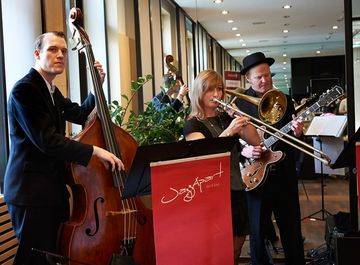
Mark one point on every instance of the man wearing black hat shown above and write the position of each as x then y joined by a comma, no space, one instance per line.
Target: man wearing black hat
279,192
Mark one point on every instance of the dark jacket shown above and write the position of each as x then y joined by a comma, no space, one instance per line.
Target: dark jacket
35,173
162,101
285,168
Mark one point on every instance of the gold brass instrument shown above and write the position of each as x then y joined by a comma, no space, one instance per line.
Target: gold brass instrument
279,134
271,106
255,173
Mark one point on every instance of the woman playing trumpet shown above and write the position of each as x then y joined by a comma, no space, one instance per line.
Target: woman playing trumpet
206,121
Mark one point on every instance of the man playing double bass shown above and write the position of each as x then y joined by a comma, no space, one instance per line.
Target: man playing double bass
279,193
34,189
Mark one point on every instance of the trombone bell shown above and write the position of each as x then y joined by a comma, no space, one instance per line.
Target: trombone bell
271,106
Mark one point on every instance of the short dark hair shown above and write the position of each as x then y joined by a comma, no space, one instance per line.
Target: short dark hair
38,44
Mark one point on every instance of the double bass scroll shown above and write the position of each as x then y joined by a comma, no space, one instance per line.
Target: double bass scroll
169,59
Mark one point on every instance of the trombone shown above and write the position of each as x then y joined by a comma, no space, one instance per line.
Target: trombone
324,158
271,106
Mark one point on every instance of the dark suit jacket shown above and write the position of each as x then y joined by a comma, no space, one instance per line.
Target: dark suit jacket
35,173
286,167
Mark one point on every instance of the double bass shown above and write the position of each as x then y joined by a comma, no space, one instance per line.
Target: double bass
104,228
169,59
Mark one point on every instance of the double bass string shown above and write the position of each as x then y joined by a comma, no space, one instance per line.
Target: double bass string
129,206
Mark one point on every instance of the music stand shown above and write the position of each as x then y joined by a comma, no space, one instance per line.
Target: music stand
322,129
138,180
347,157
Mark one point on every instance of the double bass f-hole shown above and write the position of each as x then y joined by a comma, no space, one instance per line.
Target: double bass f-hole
96,216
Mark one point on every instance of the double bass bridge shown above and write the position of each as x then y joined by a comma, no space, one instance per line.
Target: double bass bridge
123,211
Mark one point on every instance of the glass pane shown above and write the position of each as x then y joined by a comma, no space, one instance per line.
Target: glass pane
190,50
356,57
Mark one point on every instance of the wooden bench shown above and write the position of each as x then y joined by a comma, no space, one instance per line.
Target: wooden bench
8,241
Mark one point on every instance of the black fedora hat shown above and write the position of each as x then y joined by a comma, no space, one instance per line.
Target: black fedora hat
255,59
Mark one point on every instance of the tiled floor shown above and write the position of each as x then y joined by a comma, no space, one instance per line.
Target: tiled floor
336,198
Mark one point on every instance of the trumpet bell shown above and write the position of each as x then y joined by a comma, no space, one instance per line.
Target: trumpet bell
271,106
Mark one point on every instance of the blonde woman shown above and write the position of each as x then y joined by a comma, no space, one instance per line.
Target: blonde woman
207,121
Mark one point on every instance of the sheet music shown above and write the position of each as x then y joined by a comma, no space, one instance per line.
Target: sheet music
327,126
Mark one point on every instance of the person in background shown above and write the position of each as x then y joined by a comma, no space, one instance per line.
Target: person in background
172,94
34,186
279,192
343,107
206,121
329,110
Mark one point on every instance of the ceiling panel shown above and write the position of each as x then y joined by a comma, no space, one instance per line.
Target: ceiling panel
261,22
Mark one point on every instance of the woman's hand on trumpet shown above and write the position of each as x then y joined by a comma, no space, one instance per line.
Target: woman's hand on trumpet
236,126
231,111
297,126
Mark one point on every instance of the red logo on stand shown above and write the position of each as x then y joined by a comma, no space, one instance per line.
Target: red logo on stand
191,211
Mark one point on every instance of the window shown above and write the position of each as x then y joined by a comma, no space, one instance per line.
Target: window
168,23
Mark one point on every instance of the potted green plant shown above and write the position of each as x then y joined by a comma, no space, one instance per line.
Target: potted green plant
151,126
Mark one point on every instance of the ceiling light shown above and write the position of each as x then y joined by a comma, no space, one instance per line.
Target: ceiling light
259,23
234,28
241,40
230,21
287,6
285,30
285,75
284,62
318,52
244,44
224,12
217,1
284,55
247,51
284,68
335,27
237,34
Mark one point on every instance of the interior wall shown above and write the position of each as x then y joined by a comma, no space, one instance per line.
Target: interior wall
146,51
18,41
157,51
312,75
183,45
54,21
121,46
